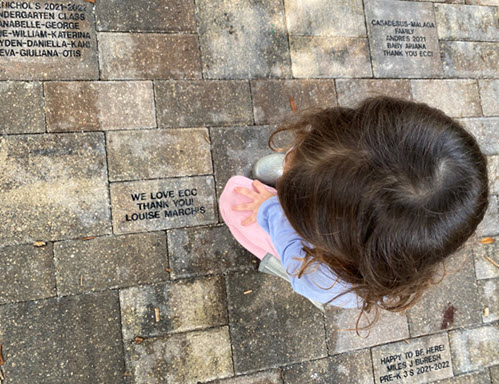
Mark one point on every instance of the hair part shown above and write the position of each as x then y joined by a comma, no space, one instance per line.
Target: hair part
384,193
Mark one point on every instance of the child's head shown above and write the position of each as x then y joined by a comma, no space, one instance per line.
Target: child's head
384,193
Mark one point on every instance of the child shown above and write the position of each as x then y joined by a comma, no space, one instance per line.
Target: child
370,202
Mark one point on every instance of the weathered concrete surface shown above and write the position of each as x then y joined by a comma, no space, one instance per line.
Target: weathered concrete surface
354,368
150,154
465,22
23,113
489,94
317,56
198,103
53,187
325,18
274,100
153,15
205,251
342,337
70,340
243,39
182,306
97,106
474,348
353,91
469,59
453,303
265,321
110,262
464,103
27,273
181,358
156,56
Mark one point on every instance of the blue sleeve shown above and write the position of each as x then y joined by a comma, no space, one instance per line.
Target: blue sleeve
288,244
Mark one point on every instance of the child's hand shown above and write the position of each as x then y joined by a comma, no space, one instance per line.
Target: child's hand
258,197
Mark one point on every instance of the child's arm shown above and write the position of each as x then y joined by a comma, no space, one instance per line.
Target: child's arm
288,244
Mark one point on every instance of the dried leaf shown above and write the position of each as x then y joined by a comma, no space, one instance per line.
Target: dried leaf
90,1
293,104
39,243
2,361
168,269
87,238
487,240
486,311
245,293
138,339
128,374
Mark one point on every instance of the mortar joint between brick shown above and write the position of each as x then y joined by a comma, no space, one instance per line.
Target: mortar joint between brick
97,55
367,38
108,184
155,103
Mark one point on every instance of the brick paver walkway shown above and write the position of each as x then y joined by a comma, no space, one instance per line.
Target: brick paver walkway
120,123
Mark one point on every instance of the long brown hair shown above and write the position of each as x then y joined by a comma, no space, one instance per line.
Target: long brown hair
384,193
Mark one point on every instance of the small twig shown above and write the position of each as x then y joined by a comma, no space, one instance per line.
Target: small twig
2,361
168,269
492,261
156,314
39,243
81,281
249,291
2,378
87,238
407,341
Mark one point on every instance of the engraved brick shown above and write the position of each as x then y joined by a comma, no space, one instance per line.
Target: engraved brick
195,103
264,323
466,22
275,99
342,319
96,106
45,43
423,360
23,113
53,187
351,92
465,101
483,267
182,306
469,59
489,290
314,56
236,149
325,18
489,93
272,376
489,226
152,15
27,273
110,262
452,303
74,339
473,349
486,133
410,47
203,251
243,39
187,358
352,368
140,206
148,154
149,56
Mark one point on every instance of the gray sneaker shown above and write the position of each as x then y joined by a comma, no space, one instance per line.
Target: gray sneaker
269,168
